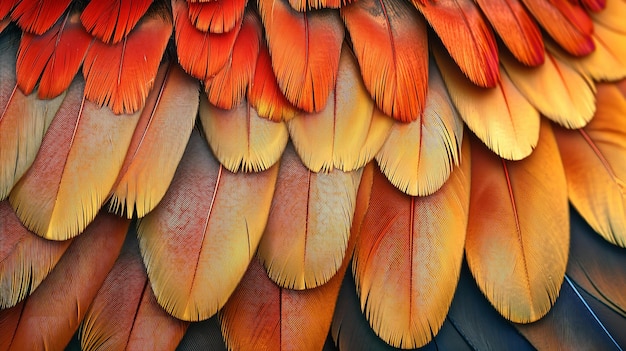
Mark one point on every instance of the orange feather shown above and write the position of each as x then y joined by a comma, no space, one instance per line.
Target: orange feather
112,20
305,76
408,258
201,54
52,313
53,57
228,87
217,16
518,231
37,16
390,42
467,37
306,5
594,5
612,17
199,240
121,75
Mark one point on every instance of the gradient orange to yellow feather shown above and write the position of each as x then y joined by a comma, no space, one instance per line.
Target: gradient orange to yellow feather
308,175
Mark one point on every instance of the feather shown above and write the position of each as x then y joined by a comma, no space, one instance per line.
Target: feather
240,139
125,314
197,243
121,75
390,42
218,16
25,259
228,87
611,17
558,91
5,8
593,158
306,5
518,231
408,258
305,76
264,93
37,16
567,23
23,119
517,29
201,54
418,157
596,266
467,37
308,228
169,115
61,193
333,137
203,336
501,117
594,5
53,57
49,317
379,130
112,20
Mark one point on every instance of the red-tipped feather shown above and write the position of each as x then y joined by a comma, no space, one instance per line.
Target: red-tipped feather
469,40
55,57
112,20
228,87
390,42
201,54
121,76
594,5
218,16
304,49
37,16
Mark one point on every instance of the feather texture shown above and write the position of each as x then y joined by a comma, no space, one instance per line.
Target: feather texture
418,157
217,16
593,158
199,240
390,42
518,232
169,114
308,228
240,139
61,193
305,76
37,16
112,20
408,258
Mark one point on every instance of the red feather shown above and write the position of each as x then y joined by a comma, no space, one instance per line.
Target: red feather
6,6
218,16
37,16
594,5
112,20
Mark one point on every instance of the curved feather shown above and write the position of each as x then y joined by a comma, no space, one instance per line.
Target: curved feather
305,76
308,229
558,91
227,87
53,57
23,119
25,259
390,42
52,313
61,192
333,137
418,157
201,54
112,20
517,29
501,117
518,231
593,158
408,258
125,314
217,16
197,243
240,139
467,37
121,75
169,115
37,16
611,17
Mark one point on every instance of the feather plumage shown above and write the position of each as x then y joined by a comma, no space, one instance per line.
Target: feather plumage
202,336
390,42
518,232
169,114
305,76
37,16
112,20
61,193
199,240
217,16
593,158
